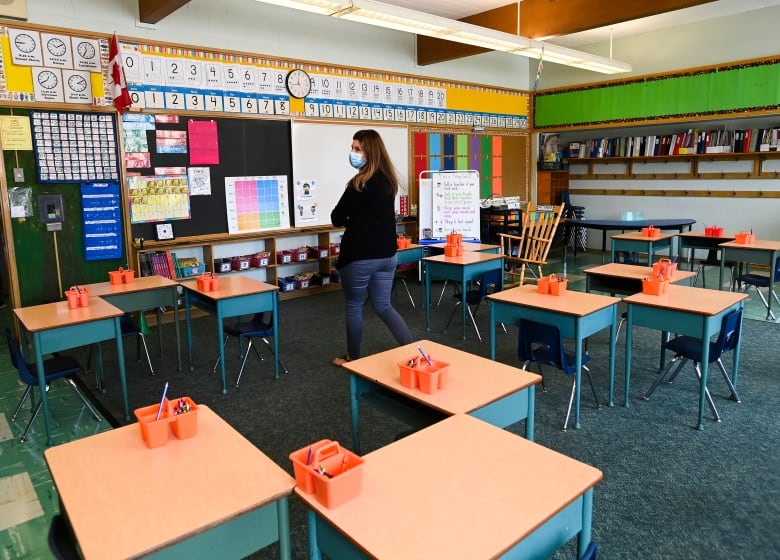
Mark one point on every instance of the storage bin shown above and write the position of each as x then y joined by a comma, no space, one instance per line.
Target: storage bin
287,284
341,477
241,263
543,285
302,254
303,461
651,232
318,252
420,375
260,259
665,268
77,297
154,431
653,286
558,286
185,417
745,238
335,249
284,256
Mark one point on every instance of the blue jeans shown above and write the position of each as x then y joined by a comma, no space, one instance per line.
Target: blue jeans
374,276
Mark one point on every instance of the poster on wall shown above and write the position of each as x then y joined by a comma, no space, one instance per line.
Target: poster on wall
257,203
155,198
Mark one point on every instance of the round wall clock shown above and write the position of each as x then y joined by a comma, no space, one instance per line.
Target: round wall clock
298,83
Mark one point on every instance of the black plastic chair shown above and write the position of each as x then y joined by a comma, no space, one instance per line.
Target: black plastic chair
760,281
56,367
543,344
62,541
489,282
257,327
129,328
400,277
689,348
712,260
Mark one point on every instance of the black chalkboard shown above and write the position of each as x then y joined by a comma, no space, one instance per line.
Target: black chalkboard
247,147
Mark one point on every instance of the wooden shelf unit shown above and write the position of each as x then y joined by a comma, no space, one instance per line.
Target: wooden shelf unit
669,167
210,248
550,184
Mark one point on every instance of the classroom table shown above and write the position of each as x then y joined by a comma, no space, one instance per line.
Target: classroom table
411,254
624,279
760,252
494,392
606,225
692,240
577,315
635,242
685,310
471,246
460,488
466,268
145,292
214,495
55,326
236,296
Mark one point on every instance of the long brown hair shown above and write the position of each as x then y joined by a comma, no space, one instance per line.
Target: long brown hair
377,160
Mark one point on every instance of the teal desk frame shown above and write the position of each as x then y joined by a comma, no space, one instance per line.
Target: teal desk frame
684,322
762,252
232,306
576,327
463,269
697,240
73,335
648,245
152,298
575,520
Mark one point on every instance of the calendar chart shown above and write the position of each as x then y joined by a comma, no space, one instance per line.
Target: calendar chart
257,203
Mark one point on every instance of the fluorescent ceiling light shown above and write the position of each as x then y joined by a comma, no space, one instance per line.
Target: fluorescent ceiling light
380,14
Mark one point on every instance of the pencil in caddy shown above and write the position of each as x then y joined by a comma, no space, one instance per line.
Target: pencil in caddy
424,373
327,470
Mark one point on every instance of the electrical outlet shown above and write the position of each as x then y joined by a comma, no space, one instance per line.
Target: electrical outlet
18,175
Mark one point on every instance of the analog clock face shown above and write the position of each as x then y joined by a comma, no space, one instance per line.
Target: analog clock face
56,46
298,83
77,83
25,43
86,50
48,79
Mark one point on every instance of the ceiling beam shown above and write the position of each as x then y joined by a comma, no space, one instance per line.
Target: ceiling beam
431,50
549,18
546,18
152,11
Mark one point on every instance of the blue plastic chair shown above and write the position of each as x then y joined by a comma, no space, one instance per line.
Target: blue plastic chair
543,345
689,348
489,282
62,541
760,281
56,367
260,326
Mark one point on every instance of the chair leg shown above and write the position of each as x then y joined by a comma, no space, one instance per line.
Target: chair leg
408,293
243,362
35,412
592,388
734,394
707,394
83,398
679,360
441,295
568,410
21,402
474,322
539,368
142,340
224,345
451,316
271,349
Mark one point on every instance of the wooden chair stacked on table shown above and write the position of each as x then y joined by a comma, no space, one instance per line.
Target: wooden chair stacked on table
530,246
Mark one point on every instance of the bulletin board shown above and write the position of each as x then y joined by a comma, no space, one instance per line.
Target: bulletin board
321,166
246,148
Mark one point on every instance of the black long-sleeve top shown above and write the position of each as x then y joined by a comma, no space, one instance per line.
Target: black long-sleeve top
369,219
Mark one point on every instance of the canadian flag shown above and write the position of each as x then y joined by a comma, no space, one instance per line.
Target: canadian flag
116,73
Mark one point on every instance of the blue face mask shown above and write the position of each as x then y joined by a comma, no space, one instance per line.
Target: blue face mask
356,160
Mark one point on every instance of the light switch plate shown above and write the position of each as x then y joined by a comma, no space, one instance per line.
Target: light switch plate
18,175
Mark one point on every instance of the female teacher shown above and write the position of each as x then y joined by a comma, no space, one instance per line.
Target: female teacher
367,258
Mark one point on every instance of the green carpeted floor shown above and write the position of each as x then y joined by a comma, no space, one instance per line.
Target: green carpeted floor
669,491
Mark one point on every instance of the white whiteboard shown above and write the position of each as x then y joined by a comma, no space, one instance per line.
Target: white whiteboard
321,169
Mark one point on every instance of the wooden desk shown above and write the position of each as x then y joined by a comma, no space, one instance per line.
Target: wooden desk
471,246
459,489
236,296
55,326
685,310
466,268
577,315
211,496
489,390
145,292
605,225
761,252
692,240
625,279
635,242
